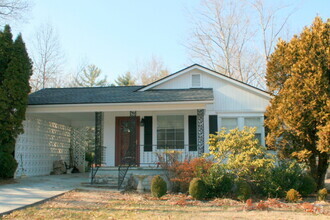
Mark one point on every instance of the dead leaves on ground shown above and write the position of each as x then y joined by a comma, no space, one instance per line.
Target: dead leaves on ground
272,204
101,204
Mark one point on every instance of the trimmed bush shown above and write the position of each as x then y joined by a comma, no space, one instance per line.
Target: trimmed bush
308,185
158,186
197,189
322,194
8,165
243,191
293,195
89,157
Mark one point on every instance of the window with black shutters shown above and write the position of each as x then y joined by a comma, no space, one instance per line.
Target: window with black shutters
213,124
147,133
192,133
170,132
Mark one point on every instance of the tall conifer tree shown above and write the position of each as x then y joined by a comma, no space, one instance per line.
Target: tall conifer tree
6,44
298,118
15,72
16,87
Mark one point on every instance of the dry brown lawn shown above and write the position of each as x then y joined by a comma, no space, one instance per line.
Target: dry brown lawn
114,205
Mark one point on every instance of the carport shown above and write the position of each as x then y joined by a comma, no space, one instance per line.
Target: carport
49,137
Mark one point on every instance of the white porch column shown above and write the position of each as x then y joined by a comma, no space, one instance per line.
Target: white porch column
200,131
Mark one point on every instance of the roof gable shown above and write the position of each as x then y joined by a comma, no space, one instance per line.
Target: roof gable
208,71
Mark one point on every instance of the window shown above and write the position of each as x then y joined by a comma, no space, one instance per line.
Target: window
170,132
195,80
229,123
254,122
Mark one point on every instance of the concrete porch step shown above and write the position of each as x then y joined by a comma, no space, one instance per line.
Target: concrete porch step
107,176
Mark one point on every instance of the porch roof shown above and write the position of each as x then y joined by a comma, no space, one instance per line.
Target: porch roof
116,94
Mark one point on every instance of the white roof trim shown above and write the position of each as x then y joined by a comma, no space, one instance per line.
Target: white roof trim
147,106
213,73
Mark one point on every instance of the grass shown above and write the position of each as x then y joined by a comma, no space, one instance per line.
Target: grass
115,205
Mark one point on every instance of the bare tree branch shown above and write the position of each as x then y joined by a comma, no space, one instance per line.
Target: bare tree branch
227,37
48,59
13,10
150,70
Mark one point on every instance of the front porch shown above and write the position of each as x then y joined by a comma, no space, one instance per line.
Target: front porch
150,135
120,140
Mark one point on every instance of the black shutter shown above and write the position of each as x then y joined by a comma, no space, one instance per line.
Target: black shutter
213,124
192,133
148,133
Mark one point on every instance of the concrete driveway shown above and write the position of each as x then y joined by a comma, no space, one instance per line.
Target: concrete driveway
30,190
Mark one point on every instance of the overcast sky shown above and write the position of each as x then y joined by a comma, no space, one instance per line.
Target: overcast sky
115,34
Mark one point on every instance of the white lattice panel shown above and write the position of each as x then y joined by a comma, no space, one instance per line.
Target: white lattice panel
79,141
42,143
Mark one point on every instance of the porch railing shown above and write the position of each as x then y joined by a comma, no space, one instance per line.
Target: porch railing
151,158
99,161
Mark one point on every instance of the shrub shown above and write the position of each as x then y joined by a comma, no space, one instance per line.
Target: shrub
241,153
285,176
243,191
307,185
89,157
158,187
184,172
218,182
293,195
8,165
322,194
197,189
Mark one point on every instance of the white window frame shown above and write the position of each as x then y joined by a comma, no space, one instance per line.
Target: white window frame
184,130
262,128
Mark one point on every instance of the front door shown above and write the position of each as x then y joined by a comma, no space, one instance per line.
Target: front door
123,135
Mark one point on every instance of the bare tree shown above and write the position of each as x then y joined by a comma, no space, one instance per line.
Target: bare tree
271,23
151,70
226,37
220,39
13,9
48,59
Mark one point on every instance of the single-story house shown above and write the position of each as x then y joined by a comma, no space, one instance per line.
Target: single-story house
133,123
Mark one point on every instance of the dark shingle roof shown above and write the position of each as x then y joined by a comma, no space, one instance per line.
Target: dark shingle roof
121,94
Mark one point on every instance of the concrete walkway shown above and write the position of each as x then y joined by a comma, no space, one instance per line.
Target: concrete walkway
30,190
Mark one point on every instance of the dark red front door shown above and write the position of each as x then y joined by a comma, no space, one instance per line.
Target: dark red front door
123,135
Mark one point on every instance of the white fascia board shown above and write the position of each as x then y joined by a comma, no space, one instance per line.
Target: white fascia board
239,84
111,107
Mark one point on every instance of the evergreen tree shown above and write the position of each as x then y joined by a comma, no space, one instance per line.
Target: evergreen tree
15,72
16,87
90,77
125,80
298,117
6,47
6,43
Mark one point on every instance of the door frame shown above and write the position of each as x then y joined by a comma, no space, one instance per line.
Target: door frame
117,136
